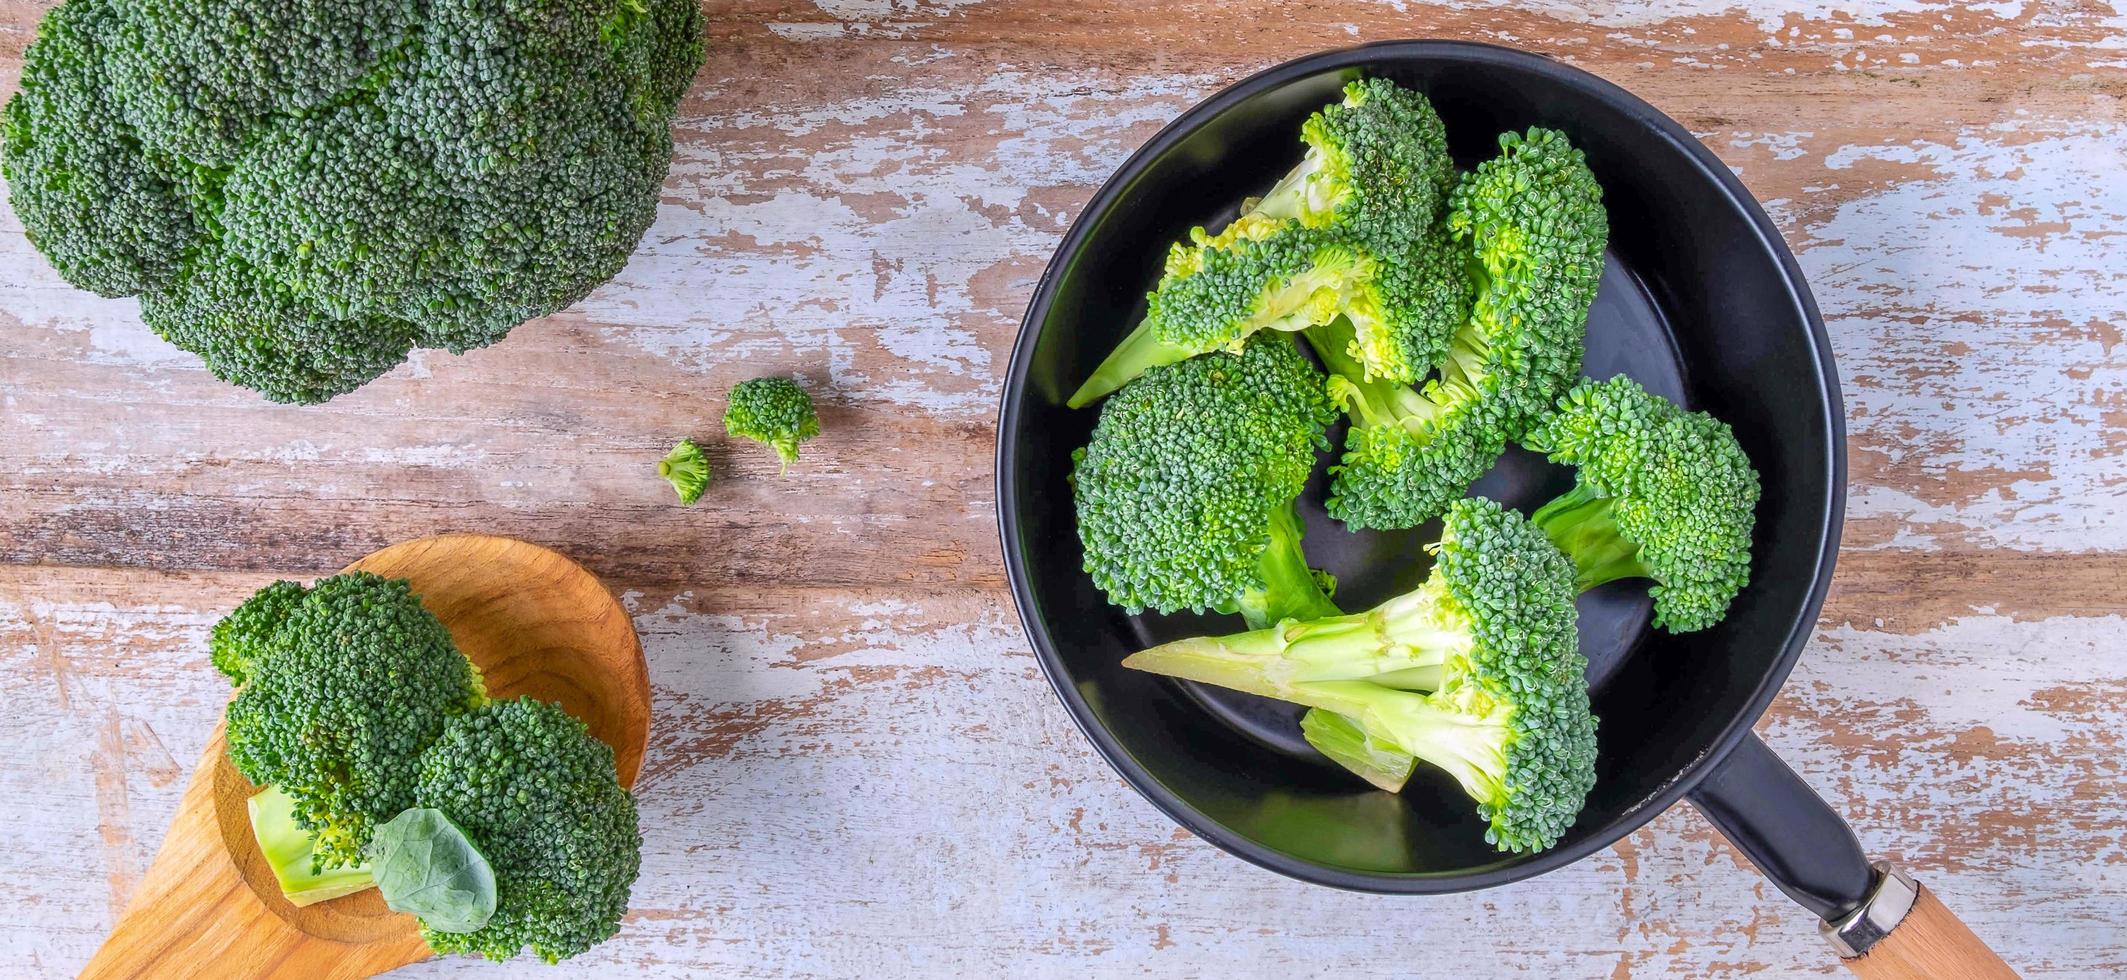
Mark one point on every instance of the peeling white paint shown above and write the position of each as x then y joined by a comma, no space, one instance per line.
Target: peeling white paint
1976,316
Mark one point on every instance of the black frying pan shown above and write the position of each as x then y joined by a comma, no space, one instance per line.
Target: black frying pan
1700,301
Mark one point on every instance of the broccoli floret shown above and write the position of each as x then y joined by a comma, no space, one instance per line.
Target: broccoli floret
687,469
1354,229
1531,225
338,701
251,331
110,215
1410,452
1185,493
290,851
237,640
774,412
1662,494
304,190
1476,672
537,793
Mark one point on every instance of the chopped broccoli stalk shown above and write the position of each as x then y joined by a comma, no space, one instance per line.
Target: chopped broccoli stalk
1338,234
1661,494
1140,351
1584,525
338,701
1348,744
1285,587
1476,673
287,848
774,412
1185,493
1531,227
687,469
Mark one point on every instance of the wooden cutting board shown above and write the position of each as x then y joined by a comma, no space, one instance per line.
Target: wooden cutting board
533,621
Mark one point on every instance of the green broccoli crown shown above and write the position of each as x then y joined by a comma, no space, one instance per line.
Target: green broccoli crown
1477,672
1354,228
303,191
1533,222
1409,452
1516,591
1185,492
1377,167
774,412
687,469
1662,493
537,794
1531,228
1219,291
110,214
339,699
1405,319
238,639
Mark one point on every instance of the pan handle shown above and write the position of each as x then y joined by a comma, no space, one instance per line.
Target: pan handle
1883,924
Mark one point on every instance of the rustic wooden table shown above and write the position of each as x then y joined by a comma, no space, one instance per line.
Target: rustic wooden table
857,767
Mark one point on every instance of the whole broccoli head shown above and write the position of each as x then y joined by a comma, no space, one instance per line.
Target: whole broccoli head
1354,229
1476,672
341,686
1185,493
1662,493
1531,226
537,794
301,191
774,412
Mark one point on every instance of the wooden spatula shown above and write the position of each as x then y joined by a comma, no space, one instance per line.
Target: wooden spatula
533,621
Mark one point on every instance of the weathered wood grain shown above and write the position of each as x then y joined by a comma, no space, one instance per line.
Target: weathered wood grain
856,766
839,779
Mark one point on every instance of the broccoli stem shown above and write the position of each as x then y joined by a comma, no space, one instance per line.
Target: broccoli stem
1470,746
288,850
1139,352
1405,640
1350,745
1293,198
1374,401
1290,589
1584,526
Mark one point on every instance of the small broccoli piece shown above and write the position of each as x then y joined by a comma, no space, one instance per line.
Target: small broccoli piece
687,469
537,794
303,190
774,412
1410,452
1337,234
238,639
1185,493
290,851
337,703
1662,494
1532,227
1476,672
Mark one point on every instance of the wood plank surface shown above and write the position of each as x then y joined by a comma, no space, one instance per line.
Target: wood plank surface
856,768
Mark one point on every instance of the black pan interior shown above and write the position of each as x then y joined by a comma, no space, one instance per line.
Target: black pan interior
1697,302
